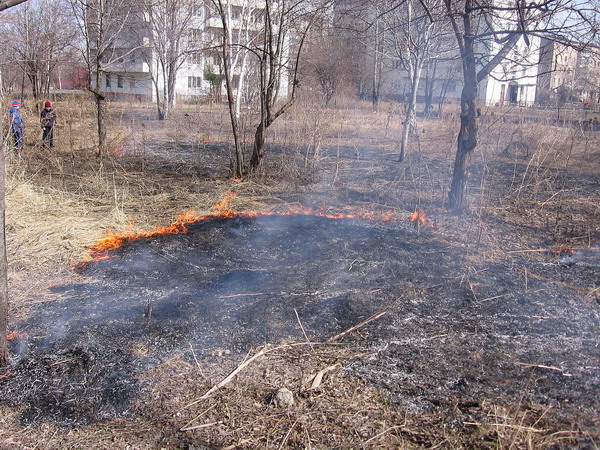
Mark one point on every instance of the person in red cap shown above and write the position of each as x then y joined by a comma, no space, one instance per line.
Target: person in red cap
16,126
48,120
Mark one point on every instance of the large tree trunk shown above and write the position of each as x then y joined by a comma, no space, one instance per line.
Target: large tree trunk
3,263
467,136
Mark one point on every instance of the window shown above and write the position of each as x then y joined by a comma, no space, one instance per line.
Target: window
196,34
194,82
396,64
196,58
107,80
120,81
132,83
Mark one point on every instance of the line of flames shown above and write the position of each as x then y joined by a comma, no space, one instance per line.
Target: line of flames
114,240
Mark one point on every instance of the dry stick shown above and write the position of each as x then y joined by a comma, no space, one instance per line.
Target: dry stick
239,368
60,362
287,436
204,425
377,436
540,366
302,328
196,359
185,427
506,425
560,283
241,295
356,327
493,298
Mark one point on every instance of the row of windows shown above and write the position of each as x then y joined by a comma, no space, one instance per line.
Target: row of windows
120,81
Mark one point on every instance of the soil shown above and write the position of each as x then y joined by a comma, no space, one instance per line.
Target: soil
478,331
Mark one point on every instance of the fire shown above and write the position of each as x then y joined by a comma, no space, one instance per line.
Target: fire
16,335
223,209
564,249
419,218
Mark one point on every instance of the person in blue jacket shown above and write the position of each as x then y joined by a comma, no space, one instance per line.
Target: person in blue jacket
16,125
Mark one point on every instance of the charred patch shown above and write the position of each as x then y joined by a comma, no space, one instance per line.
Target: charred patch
453,335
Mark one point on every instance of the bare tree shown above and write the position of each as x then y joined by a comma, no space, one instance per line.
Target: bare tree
414,34
103,24
285,25
39,38
3,261
170,44
237,36
486,32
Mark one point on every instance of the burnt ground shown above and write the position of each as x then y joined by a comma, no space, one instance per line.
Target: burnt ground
465,325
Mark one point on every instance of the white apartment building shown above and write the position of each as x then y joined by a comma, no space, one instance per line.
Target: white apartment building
129,74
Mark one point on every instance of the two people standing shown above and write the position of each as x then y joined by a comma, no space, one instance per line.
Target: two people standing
47,121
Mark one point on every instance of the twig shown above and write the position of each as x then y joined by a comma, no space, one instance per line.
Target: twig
5,374
301,327
530,251
184,428
357,326
242,295
494,298
204,425
287,436
541,366
377,436
560,283
60,362
239,368
196,359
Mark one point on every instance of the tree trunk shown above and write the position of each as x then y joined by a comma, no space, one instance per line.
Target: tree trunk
410,120
258,151
3,262
101,116
467,136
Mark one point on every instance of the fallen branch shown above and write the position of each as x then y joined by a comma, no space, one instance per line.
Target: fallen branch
5,374
357,326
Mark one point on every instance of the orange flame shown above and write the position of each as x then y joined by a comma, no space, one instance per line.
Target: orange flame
564,249
419,217
223,209
16,335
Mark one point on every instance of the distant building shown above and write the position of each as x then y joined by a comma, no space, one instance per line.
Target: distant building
200,76
514,80
568,74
